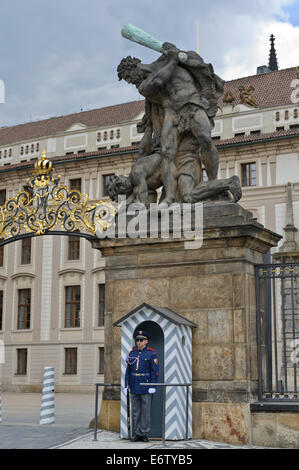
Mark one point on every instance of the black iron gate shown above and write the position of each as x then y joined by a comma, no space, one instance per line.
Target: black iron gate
277,296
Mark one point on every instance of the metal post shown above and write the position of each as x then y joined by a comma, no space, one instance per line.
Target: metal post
293,326
275,334
96,405
259,335
164,413
187,412
96,414
164,403
268,323
284,329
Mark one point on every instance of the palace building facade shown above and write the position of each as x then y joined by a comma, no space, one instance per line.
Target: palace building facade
52,288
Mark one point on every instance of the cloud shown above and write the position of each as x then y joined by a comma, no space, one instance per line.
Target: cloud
62,56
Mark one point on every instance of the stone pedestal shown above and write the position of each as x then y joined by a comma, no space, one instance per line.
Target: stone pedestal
214,287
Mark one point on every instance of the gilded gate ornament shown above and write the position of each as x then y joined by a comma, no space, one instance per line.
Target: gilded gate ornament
46,205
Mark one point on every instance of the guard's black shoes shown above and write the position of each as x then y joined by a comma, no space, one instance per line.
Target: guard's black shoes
136,438
145,439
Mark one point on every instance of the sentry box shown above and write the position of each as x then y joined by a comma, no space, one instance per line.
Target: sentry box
171,337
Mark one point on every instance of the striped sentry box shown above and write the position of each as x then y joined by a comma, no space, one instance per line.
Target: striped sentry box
177,367
47,413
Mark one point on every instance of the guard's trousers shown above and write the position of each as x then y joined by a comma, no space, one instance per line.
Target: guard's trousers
141,413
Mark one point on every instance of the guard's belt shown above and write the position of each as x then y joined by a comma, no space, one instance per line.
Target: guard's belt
141,375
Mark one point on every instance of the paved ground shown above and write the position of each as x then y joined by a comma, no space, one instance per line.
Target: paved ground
20,427
110,440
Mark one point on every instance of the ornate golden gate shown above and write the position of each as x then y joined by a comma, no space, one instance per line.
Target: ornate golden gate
49,208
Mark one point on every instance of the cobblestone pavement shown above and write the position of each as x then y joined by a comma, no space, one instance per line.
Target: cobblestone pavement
112,440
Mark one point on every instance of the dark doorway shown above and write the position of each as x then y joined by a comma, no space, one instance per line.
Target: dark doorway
156,342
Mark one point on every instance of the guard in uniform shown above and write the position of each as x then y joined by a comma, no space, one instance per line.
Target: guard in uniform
142,366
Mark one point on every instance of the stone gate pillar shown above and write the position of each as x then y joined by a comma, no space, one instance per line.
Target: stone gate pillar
214,287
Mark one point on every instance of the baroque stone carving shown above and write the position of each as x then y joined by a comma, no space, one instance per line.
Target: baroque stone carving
181,100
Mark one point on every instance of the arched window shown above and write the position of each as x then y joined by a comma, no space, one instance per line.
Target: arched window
277,116
27,149
105,135
32,148
296,113
10,152
37,147
5,153
286,115
22,150
118,134
111,135
99,137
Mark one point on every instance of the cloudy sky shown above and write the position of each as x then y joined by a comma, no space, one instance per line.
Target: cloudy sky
60,56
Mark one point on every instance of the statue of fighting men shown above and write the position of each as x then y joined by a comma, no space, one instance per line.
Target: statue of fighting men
181,100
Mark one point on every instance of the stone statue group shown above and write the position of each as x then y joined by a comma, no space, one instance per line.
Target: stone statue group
181,100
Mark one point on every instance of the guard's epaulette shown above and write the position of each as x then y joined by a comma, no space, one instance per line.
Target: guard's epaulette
150,349
134,349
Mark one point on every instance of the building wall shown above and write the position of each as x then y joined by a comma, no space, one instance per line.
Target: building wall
50,270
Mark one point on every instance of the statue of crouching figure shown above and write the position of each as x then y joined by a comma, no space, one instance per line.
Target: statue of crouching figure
146,176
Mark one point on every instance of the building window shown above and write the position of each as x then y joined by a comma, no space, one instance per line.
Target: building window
280,128
255,132
105,135
81,151
118,134
106,179
295,113
102,148
101,360
72,307
24,303
115,146
101,305
70,361
248,172
74,248
240,134
286,115
5,153
99,137
2,196
26,251
111,135
22,150
32,148
10,152
27,149
37,147
1,309
277,116
21,361
75,184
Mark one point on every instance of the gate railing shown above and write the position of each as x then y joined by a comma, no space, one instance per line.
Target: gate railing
277,302
164,385
187,385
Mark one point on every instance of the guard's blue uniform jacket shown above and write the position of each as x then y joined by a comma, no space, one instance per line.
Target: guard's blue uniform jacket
142,367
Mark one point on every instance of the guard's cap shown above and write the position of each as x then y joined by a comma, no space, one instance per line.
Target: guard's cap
141,334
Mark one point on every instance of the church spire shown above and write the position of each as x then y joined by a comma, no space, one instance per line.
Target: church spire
272,58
